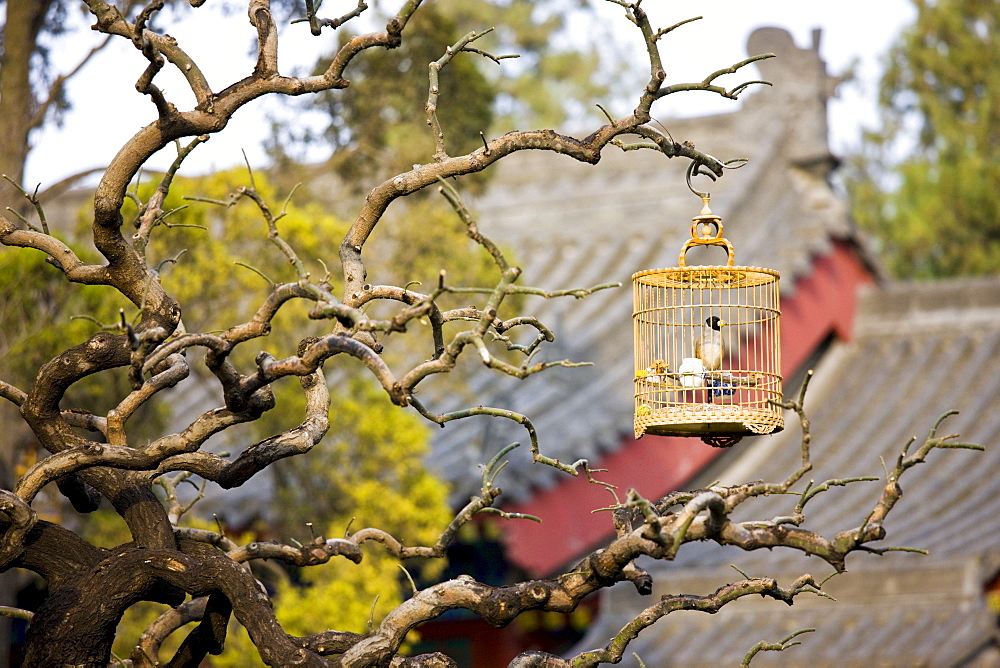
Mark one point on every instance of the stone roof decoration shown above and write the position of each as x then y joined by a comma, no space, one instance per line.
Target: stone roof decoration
575,225
919,350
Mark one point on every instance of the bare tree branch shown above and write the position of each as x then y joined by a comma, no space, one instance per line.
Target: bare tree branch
93,455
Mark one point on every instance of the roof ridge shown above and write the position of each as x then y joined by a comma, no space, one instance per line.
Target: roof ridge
923,307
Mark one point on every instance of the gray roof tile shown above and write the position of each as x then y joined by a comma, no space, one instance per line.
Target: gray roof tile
919,350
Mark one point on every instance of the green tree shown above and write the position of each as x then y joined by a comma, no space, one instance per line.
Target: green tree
32,91
370,470
377,126
368,467
926,183
20,47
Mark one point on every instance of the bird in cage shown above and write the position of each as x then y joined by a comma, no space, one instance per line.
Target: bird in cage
710,348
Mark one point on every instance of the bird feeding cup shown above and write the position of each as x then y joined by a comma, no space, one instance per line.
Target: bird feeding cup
692,372
682,311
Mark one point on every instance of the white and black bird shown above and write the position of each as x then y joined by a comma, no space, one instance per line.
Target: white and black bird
710,348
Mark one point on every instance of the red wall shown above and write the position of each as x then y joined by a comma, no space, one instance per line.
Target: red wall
823,303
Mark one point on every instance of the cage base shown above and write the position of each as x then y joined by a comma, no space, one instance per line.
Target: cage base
711,429
685,422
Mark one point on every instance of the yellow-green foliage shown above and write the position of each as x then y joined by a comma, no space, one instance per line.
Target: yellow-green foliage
215,292
369,467
368,470
37,309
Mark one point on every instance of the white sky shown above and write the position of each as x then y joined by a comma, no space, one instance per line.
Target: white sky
107,110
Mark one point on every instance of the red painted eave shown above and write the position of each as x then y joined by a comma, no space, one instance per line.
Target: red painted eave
823,304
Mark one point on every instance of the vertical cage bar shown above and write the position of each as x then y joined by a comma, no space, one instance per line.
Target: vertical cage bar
670,309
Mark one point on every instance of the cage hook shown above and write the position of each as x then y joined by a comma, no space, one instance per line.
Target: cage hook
694,169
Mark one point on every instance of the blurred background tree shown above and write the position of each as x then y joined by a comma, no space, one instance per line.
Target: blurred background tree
26,75
926,181
377,127
367,470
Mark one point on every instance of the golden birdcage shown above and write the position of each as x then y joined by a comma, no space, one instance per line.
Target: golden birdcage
707,346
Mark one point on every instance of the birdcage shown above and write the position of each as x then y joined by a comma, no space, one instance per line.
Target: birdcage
707,346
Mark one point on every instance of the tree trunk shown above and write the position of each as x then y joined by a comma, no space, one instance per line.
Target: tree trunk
18,105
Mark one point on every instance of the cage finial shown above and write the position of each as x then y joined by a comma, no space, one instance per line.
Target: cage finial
706,230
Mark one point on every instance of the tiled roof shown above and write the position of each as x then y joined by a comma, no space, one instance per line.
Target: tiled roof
572,225
925,616
919,350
